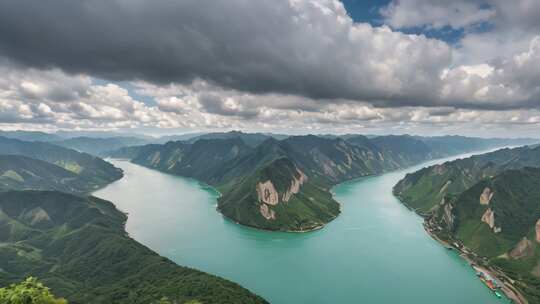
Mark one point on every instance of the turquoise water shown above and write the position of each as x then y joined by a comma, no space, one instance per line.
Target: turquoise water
376,251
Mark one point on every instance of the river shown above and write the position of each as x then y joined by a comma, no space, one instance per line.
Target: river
376,251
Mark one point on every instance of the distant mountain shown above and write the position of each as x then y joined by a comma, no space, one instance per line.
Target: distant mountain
250,139
100,134
490,205
98,146
92,172
453,144
180,137
279,184
78,247
30,135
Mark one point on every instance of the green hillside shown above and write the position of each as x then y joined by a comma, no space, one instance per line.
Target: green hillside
488,203
78,247
499,219
23,173
93,170
234,163
424,189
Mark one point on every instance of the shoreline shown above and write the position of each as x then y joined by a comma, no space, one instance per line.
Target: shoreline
510,291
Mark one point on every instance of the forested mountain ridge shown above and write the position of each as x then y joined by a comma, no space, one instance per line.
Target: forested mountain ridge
94,171
234,168
490,205
424,189
19,172
78,247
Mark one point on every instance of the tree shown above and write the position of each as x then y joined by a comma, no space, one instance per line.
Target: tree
30,291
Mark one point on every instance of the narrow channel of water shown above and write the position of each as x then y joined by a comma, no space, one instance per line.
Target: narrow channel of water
376,251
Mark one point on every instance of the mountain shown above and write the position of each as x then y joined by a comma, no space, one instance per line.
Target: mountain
279,196
297,173
278,184
248,173
489,205
23,173
423,190
30,135
98,146
179,137
91,171
78,247
250,139
498,219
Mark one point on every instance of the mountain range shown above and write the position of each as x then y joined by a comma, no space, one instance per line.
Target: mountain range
285,184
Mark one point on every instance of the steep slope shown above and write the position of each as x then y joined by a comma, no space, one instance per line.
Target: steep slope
404,150
23,173
207,160
335,160
498,218
309,165
234,167
424,189
279,196
95,171
250,139
79,248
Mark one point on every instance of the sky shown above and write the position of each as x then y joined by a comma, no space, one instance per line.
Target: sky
428,67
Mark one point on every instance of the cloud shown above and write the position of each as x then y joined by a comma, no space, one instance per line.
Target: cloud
437,14
267,65
298,47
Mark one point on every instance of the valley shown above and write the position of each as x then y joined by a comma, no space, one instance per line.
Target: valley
177,217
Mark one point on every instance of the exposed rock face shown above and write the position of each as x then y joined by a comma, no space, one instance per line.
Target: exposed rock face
296,183
266,212
156,157
486,196
443,188
489,218
523,248
36,216
448,217
537,227
267,193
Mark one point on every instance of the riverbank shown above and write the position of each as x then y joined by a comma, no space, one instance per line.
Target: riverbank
510,291
353,257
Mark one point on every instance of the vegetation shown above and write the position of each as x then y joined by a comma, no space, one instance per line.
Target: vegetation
30,291
236,163
424,190
24,173
91,172
491,205
78,247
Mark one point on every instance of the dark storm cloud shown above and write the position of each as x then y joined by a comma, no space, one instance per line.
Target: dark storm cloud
291,47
